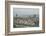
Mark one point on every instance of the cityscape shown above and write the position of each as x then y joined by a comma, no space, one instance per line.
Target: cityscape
26,21
25,17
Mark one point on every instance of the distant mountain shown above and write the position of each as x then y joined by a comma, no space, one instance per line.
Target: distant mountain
28,16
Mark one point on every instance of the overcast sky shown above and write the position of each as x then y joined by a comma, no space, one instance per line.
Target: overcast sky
25,11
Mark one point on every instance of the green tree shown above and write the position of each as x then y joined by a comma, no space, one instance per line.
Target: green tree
34,15
16,15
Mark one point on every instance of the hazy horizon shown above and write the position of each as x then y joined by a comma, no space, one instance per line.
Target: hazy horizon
25,11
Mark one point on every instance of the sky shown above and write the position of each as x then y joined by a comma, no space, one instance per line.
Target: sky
25,11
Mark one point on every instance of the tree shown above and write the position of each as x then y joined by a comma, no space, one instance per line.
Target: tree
16,15
34,15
